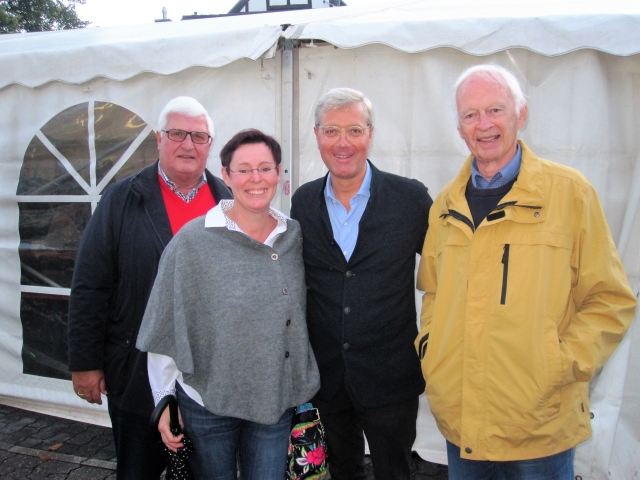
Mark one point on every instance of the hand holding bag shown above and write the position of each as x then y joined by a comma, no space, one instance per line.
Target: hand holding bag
178,468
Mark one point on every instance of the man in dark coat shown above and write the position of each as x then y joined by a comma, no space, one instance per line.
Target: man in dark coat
362,229
115,269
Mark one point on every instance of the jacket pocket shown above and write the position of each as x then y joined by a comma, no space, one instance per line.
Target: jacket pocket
422,347
505,274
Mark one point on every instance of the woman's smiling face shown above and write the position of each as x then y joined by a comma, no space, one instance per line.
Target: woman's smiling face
252,191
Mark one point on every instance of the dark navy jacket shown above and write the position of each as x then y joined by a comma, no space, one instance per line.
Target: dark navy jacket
115,269
361,314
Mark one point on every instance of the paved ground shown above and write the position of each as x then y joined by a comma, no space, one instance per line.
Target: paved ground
40,447
37,447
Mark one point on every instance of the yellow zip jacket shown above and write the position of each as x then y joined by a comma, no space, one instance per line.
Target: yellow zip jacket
519,314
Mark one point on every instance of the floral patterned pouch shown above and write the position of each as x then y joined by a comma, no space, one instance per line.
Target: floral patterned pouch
307,459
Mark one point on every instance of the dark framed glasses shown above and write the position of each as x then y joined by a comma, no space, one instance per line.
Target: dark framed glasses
179,136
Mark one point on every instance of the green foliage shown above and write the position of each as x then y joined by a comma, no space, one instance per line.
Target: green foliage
39,15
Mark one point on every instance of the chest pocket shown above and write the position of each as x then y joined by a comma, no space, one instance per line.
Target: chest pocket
536,271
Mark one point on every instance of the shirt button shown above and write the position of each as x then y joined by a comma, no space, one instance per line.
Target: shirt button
346,346
347,310
537,214
344,252
349,274
274,256
288,322
345,224
286,354
285,291
468,450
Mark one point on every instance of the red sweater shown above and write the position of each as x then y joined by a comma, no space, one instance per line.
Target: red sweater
181,212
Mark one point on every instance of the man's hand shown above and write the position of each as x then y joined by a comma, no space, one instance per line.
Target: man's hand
89,385
172,443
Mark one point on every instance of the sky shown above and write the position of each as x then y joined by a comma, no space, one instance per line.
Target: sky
109,13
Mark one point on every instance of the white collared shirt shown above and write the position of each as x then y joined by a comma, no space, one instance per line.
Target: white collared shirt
162,369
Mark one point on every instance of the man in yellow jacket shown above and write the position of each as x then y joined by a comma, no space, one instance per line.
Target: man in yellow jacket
526,297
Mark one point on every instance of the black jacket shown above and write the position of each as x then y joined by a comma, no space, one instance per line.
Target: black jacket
361,314
115,269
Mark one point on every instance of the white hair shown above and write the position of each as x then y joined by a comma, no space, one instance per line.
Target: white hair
343,97
494,73
186,106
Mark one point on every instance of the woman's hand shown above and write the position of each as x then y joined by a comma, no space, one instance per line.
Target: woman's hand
172,442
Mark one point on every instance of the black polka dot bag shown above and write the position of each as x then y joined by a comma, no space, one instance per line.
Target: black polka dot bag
178,468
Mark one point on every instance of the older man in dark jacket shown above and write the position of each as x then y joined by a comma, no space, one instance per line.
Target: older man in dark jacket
115,270
362,229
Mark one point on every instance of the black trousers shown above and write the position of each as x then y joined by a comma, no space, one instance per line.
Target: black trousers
140,456
390,432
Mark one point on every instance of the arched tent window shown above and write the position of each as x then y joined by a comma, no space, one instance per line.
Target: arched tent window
66,167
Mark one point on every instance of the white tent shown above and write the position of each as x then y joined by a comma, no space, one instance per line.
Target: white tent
79,107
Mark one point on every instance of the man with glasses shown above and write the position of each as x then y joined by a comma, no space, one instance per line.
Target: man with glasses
362,229
115,269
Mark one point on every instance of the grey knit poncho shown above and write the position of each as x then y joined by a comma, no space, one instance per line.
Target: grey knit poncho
230,311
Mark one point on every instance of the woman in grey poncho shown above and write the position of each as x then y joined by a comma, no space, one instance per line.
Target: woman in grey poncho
225,324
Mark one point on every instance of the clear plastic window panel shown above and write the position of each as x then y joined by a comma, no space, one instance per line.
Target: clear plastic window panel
44,325
49,237
79,152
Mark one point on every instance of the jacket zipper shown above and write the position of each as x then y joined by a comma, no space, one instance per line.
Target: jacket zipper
459,216
514,203
505,273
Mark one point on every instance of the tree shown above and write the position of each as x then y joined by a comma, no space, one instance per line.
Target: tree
39,15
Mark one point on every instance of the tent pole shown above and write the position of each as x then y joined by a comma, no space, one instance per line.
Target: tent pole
289,127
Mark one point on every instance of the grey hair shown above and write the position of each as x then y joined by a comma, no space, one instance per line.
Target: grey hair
343,97
494,73
186,106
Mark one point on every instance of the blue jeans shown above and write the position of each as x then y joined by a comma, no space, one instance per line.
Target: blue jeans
554,467
220,441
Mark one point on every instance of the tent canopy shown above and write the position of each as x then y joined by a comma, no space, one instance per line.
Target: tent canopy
478,28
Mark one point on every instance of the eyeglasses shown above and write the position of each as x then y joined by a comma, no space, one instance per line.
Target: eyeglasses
179,136
262,171
354,132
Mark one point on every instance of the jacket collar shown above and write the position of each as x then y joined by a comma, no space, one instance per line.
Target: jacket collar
321,208
146,185
375,182
527,190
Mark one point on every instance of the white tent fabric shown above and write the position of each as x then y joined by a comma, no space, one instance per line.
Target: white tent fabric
546,27
577,62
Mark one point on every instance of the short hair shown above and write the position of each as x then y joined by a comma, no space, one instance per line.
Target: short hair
494,73
248,137
343,97
186,106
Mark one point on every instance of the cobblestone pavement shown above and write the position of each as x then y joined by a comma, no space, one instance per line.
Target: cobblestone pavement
35,446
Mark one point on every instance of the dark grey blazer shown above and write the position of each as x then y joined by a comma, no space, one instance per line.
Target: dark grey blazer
361,314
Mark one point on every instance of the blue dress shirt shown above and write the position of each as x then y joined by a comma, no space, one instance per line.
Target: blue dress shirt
504,176
345,224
